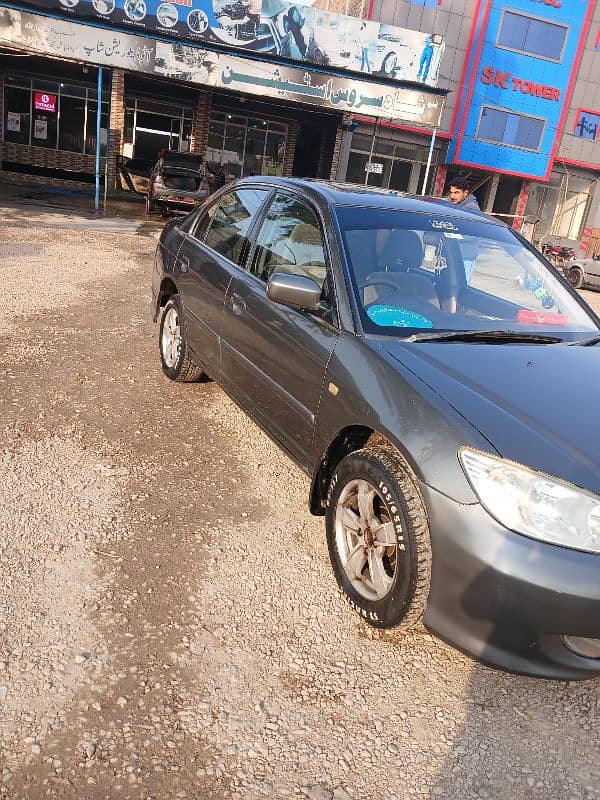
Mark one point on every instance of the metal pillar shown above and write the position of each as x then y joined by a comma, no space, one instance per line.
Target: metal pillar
98,119
429,157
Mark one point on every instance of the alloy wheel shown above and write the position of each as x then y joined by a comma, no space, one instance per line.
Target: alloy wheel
171,338
366,540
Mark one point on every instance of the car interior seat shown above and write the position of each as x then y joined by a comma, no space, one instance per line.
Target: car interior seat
394,278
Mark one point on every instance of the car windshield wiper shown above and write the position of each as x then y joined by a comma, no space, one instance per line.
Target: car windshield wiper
586,342
493,336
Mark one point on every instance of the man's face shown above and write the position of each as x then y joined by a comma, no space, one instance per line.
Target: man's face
458,195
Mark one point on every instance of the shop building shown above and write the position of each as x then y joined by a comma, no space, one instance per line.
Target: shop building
271,95
278,95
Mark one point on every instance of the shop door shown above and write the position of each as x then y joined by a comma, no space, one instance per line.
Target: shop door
308,150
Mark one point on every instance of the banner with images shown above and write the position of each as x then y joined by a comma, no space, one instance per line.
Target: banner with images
193,64
288,30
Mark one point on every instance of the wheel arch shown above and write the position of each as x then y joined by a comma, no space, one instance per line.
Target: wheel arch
168,288
346,441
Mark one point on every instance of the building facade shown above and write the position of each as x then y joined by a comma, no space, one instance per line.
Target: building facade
256,87
349,89
522,117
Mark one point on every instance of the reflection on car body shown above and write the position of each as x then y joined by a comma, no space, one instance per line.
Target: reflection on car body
409,356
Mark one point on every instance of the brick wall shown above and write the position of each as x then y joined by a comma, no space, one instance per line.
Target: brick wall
290,148
335,157
116,124
201,121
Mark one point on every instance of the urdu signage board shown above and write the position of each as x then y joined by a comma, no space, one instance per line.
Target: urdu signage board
191,64
287,30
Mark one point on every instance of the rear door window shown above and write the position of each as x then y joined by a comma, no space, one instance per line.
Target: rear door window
227,223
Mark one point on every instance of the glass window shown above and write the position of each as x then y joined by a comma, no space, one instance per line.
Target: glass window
414,271
45,86
290,241
72,91
17,114
228,222
505,127
536,37
72,124
90,134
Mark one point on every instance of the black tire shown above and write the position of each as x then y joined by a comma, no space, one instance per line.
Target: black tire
398,501
179,365
576,276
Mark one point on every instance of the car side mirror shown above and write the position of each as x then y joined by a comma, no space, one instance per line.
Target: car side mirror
297,291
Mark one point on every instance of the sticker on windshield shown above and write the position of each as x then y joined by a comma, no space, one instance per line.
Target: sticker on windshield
394,317
443,225
539,318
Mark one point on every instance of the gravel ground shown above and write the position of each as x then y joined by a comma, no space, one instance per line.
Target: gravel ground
169,622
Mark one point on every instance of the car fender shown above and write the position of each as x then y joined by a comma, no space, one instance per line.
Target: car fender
363,392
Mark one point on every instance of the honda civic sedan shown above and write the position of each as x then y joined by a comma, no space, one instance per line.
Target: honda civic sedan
416,361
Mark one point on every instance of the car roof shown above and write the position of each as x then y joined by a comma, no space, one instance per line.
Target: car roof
351,194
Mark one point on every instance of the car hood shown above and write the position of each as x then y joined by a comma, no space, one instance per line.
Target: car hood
535,404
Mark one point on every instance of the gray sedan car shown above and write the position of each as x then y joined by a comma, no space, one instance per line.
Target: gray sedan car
415,359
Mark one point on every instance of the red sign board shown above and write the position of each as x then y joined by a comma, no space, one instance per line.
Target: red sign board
44,102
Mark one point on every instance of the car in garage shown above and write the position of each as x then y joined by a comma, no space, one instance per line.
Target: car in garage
178,182
415,360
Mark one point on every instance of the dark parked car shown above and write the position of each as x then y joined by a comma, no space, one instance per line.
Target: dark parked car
416,360
177,183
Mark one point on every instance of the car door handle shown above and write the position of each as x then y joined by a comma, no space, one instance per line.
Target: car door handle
184,263
237,304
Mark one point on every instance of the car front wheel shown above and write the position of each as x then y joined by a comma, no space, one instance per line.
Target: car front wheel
177,363
378,538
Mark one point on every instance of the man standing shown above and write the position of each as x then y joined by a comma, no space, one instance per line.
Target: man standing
460,196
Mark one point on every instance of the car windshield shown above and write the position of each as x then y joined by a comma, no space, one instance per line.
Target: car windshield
415,272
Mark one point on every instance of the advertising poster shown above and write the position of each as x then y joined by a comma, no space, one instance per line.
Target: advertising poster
40,129
293,31
13,121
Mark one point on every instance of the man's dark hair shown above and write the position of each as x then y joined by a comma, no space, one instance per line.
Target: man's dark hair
460,183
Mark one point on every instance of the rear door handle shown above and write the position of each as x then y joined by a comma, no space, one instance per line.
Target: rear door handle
237,303
184,263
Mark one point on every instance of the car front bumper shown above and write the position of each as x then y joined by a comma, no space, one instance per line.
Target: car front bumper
506,599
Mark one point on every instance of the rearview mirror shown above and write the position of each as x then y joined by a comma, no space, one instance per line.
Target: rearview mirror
297,291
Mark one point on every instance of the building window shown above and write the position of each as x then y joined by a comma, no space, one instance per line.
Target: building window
507,127
535,37
245,145
57,116
387,164
587,124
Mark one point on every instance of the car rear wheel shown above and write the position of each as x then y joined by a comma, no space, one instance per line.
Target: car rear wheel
576,277
177,363
378,538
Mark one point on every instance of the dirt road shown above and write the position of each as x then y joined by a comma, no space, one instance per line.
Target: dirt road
169,623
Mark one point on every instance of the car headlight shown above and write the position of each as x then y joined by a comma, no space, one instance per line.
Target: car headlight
532,503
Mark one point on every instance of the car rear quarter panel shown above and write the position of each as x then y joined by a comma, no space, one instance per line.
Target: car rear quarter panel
393,401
